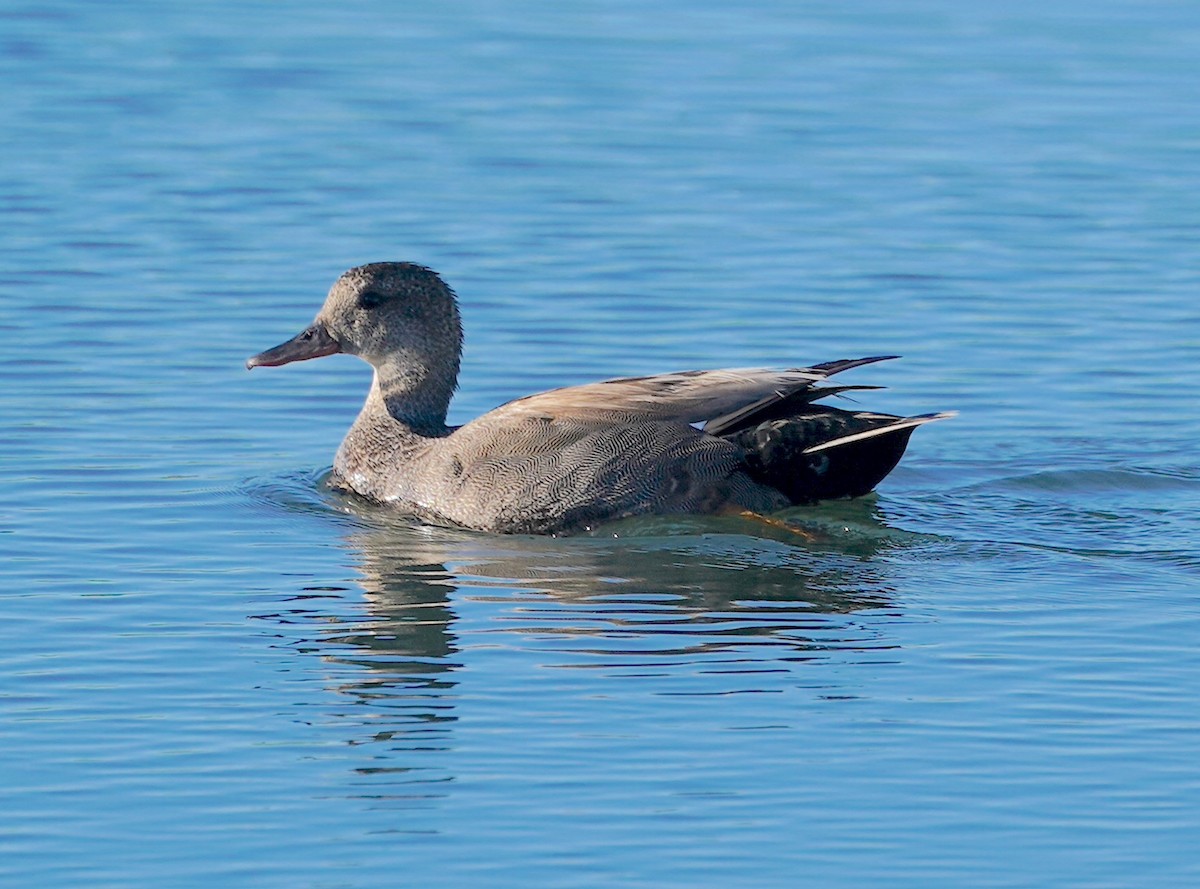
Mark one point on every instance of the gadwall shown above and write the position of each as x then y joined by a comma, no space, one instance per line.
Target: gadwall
569,459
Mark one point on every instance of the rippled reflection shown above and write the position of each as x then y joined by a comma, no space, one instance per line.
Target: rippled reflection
693,607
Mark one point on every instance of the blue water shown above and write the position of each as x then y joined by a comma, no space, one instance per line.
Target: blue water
215,672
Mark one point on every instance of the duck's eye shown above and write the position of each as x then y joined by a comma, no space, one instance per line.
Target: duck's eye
369,299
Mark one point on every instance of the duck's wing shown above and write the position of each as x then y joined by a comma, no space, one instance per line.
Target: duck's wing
783,403
694,396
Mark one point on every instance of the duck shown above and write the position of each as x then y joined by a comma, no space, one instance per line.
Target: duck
744,441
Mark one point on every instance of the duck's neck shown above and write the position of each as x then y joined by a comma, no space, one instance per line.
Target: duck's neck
412,394
397,422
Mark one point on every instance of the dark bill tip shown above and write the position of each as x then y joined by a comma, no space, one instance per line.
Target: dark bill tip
313,342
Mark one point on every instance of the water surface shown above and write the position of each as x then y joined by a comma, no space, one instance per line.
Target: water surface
214,671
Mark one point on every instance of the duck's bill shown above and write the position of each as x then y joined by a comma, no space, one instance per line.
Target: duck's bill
313,342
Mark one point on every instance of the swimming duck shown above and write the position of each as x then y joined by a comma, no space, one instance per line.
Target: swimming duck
749,441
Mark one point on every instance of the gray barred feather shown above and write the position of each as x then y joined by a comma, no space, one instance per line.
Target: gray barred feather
571,459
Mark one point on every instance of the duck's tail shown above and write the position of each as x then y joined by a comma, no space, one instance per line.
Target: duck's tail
823,453
889,425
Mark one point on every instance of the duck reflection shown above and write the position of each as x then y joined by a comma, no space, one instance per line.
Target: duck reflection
683,580
699,600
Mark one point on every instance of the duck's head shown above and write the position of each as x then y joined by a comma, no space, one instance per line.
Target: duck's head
385,313
399,317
